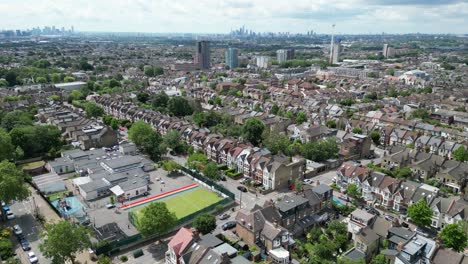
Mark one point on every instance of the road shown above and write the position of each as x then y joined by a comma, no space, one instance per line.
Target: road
24,212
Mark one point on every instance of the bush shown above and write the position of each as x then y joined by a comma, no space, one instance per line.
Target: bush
234,175
137,253
125,258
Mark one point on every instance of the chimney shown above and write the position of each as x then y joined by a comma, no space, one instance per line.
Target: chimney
400,246
275,223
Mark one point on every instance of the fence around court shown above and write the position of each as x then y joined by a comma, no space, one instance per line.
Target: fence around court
115,246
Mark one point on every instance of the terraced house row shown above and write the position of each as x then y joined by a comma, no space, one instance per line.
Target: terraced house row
398,194
272,171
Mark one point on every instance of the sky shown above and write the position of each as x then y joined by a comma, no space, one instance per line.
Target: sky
220,16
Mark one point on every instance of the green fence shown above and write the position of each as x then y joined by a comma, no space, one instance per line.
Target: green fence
114,247
209,182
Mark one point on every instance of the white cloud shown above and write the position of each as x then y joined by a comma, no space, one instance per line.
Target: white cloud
351,16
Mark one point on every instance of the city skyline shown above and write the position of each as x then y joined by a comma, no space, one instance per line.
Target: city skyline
209,16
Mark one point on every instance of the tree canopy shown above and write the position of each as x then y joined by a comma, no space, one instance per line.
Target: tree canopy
211,171
420,213
320,150
63,240
12,184
461,154
155,218
6,146
253,130
204,223
179,106
93,110
455,236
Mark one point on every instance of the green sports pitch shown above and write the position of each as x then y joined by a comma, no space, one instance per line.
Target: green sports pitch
186,203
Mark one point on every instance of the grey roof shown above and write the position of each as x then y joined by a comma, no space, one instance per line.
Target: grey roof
368,236
240,260
321,189
122,162
401,232
397,239
209,240
355,254
447,256
225,248
133,183
413,246
290,202
94,185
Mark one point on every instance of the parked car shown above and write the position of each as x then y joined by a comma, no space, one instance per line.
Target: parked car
389,218
5,207
242,188
10,214
17,229
372,210
110,206
404,224
229,225
334,179
223,216
421,232
243,180
308,181
32,257
344,198
25,245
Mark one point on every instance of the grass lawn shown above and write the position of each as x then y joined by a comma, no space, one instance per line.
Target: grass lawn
33,165
188,202
54,196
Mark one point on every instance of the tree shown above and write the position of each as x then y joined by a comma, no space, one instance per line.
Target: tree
160,100
274,109
153,71
353,190
211,171
301,118
379,259
6,147
404,172
11,78
204,223
276,143
93,110
155,218
139,131
298,186
36,140
63,240
375,136
179,106
152,145
172,139
42,63
12,185
461,154
454,236
357,130
314,234
170,165
320,150
41,79
143,97
103,259
420,213
16,118
252,130
420,113
68,79
331,123
55,77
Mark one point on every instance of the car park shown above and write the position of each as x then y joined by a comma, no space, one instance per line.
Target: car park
32,257
242,188
223,216
17,230
229,225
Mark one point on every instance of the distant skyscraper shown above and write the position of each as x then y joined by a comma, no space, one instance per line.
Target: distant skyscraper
388,51
232,58
283,55
202,57
336,52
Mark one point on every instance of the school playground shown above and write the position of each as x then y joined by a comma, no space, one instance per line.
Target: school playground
182,201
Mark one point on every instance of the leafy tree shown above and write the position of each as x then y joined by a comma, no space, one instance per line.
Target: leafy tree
68,79
454,236
103,259
6,147
155,218
204,223
170,165
152,145
42,63
274,109
143,97
85,66
276,143
139,131
420,113
301,118
314,234
11,77
63,240
461,154
179,106
375,136
6,248
172,139
75,95
211,171
36,140
404,172
93,110
289,115
353,190
420,213
298,186
320,150
390,71
153,71
379,259
196,159
357,130
41,79
160,100
55,77
346,260
331,123
252,130
16,118
3,83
